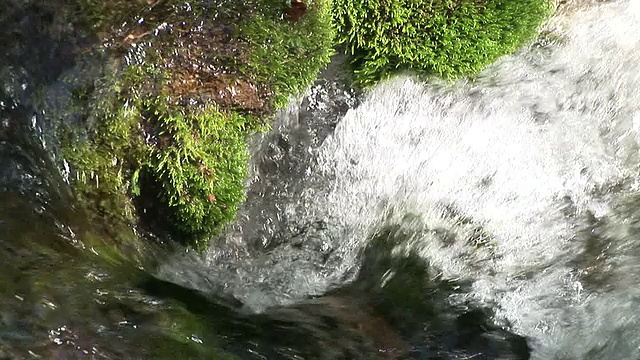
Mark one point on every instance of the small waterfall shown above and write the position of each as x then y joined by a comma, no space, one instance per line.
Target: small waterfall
522,182
523,179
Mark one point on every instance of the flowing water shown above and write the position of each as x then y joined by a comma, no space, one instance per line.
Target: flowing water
497,218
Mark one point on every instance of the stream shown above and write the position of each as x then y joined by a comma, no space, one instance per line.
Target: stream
494,218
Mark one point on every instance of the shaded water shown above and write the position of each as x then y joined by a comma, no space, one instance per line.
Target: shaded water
473,220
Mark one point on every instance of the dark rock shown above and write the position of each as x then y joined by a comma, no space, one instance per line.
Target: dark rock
295,11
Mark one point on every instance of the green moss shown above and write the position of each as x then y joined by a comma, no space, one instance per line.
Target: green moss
109,149
287,56
448,38
202,166
196,155
166,131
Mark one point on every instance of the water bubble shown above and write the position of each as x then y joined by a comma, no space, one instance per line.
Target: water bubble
195,339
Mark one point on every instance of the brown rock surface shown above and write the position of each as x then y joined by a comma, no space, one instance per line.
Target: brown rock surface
294,12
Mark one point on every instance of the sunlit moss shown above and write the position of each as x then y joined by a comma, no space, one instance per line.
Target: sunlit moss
442,37
288,55
200,167
168,126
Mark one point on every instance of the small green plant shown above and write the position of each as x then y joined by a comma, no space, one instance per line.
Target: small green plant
448,38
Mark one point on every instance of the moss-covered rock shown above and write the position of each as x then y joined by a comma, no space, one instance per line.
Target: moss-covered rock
164,128
200,162
448,38
167,126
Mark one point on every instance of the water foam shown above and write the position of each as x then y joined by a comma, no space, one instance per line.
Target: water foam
515,165
520,180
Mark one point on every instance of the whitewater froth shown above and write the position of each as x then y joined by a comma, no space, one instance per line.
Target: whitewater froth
513,165
518,181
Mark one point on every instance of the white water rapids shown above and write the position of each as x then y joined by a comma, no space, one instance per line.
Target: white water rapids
530,171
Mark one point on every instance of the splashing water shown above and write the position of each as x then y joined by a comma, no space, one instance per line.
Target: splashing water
522,182
515,168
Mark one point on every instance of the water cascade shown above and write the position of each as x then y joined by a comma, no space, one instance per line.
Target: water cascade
496,217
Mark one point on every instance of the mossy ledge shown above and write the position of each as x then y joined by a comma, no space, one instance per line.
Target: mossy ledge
165,131
445,38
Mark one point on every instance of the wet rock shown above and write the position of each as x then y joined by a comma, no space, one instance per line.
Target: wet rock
363,321
295,11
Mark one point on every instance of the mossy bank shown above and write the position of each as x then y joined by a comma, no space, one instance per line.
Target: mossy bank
165,128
